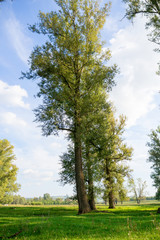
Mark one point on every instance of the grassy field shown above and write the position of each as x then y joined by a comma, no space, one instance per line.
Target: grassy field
62,222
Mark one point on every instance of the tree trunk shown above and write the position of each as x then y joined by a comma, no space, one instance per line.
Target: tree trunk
91,200
111,200
80,184
91,195
109,180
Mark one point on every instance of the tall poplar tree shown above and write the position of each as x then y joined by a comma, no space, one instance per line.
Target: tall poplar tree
70,66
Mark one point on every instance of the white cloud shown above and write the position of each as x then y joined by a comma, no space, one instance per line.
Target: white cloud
37,164
56,145
12,95
39,175
37,158
20,41
10,118
138,83
111,25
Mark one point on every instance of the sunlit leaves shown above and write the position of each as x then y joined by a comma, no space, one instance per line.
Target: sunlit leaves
8,171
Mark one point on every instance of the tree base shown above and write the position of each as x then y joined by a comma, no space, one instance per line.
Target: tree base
111,207
84,211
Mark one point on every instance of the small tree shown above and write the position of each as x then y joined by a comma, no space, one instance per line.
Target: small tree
138,188
122,193
47,197
8,172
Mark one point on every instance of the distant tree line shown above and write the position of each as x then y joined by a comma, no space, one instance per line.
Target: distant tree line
45,200
49,200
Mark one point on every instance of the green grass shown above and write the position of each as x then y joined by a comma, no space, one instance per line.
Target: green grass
62,222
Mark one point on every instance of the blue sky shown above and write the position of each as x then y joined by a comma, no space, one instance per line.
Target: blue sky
136,94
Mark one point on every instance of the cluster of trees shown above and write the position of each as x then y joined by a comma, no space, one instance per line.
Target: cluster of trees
45,200
74,78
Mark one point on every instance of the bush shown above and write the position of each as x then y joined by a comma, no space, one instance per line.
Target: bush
36,203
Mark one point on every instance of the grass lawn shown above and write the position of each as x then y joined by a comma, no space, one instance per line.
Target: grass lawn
62,222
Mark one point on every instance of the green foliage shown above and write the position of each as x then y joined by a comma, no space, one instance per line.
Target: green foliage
36,203
154,158
47,196
158,194
17,199
67,172
8,172
71,60
113,154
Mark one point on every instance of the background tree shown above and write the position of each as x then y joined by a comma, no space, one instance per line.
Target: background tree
138,188
8,172
151,10
47,197
122,194
17,199
112,153
154,158
115,154
70,66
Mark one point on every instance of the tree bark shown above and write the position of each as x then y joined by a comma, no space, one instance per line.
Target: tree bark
91,200
111,200
80,183
110,195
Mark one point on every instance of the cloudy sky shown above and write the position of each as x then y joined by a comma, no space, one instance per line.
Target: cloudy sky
136,94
